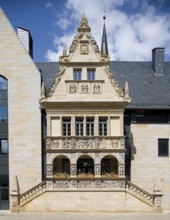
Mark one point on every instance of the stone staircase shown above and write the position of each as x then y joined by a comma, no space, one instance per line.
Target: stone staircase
32,193
140,193
134,190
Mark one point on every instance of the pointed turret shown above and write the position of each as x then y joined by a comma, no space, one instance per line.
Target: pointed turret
104,47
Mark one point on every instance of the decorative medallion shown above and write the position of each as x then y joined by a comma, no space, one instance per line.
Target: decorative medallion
84,48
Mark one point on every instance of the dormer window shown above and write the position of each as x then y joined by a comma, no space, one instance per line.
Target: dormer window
90,74
77,74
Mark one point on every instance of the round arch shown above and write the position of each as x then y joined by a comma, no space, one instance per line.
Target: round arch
61,166
85,165
109,166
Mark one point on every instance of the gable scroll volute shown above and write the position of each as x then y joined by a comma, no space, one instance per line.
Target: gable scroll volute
122,93
52,89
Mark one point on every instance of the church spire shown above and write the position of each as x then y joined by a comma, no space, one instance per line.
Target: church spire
104,47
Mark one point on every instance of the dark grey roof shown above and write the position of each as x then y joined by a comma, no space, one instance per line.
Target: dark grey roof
48,72
145,89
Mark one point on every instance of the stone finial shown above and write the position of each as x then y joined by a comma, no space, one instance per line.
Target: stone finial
42,90
126,90
84,26
15,186
65,50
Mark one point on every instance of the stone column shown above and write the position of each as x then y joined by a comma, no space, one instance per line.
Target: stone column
73,170
15,196
97,170
121,170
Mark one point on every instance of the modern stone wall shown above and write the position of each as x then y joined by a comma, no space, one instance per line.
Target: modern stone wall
146,167
24,110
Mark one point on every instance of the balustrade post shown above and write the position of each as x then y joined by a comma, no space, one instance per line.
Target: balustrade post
97,170
15,196
157,196
73,170
121,170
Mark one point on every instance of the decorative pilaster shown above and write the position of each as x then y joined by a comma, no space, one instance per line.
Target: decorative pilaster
73,170
121,170
15,195
97,170
49,170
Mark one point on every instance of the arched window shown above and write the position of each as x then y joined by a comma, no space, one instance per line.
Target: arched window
61,166
109,166
3,100
85,166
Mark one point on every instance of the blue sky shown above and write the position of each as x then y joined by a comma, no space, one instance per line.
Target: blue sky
134,27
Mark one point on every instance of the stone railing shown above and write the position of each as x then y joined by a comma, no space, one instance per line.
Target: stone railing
85,143
86,184
139,193
32,193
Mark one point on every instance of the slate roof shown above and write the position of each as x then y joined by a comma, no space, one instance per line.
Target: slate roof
145,89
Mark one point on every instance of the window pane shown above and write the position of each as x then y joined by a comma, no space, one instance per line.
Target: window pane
66,126
103,126
4,181
3,83
79,126
77,75
4,194
91,74
4,146
163,147
3,113
90,126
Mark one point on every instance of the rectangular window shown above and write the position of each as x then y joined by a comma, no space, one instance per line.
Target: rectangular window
163,147
103,126
66,126
79,126
90,126
3,146
77,74
91,74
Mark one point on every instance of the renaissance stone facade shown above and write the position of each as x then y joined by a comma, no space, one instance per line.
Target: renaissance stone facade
99,136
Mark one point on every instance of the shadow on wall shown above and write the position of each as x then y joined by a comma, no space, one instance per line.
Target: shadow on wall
133,148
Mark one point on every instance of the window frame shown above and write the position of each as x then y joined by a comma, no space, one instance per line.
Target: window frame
77,74
91,74
90,126
164,146
103,126
2,152
66,126
79,126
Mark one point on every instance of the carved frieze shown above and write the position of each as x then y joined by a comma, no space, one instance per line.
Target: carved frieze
73,143
85,88
73,88
86,184
96,88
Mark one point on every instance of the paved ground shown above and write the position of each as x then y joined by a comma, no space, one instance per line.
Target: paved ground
84,216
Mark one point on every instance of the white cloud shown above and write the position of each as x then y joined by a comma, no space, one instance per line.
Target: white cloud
48,4
132,30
